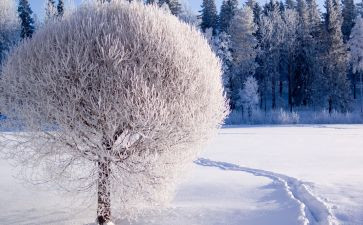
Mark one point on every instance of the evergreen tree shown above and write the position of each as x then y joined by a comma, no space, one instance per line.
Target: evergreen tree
272,47
222,47
244,49
9,27
251,3
208,16
359,8
282,7
60,8
349,15
356,53
290,4
289,55
174,6
272,5
257,11
228,10
335,84
50,10
27,22
302,88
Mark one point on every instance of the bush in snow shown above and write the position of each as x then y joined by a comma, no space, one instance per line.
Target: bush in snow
116,96
248,96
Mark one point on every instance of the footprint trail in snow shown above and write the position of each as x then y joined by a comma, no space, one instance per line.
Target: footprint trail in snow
313,210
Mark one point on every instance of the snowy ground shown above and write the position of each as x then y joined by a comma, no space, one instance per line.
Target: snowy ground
248,175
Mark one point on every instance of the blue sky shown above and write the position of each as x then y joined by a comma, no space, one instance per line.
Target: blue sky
38,5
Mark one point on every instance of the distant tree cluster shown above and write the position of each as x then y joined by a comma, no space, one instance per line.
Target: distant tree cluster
21,23
299,56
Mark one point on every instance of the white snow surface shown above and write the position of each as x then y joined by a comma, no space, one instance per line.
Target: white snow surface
252,175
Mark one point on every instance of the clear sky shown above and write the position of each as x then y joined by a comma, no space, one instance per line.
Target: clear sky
38,5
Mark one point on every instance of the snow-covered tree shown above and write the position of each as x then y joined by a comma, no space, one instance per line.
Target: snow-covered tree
208,16
335,85
9,27
222,47
26,19
273,33
251,3
244,48
290,4
50,10
113,111
349,15
249,96
228,10
359,8
174,6
356,52
288,62
187,15
303,74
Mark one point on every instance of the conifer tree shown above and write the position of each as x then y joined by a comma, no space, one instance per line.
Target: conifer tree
50,10
303,74
335,84
271,44
349,15
174,6
290,4
208,16
244,51
27,22
228,10
356,53
60,8
9,27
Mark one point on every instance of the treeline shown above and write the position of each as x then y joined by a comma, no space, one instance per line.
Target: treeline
18,21
298,56
279,55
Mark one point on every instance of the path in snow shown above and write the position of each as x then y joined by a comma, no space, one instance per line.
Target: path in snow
313,210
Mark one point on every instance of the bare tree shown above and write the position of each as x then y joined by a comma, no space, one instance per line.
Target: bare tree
116,96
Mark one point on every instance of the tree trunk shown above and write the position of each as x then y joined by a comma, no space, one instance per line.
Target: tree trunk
104,192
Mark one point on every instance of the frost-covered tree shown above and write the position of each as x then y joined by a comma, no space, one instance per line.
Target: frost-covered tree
335,84
251,3
26,19
208,16
228,10
359,8
244,49
187,15
349,15
288,64
290,4
222,47
303,74
9,27
50,10
356,52
174,6
273,33
249,96
115,98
